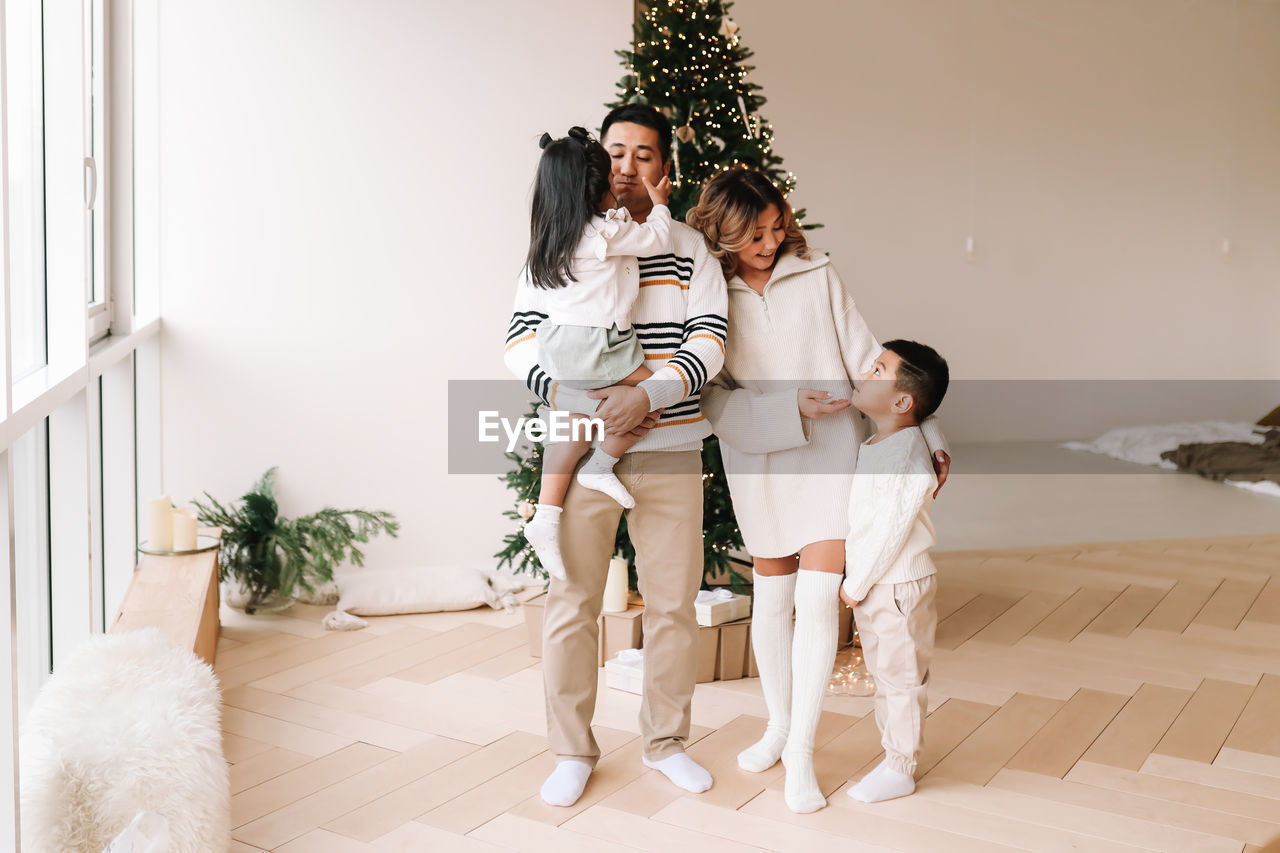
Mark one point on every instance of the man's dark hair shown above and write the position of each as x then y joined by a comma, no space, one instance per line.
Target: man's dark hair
646,116
923,374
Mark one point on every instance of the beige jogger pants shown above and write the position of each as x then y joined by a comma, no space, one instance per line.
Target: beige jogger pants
896,623
666,529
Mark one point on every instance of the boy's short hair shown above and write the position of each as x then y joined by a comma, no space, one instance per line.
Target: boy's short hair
645,116
923,374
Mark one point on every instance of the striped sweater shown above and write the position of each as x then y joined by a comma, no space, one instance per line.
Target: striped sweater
679,318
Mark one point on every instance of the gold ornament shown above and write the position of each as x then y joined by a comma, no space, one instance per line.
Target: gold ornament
685,134
728,28
526,510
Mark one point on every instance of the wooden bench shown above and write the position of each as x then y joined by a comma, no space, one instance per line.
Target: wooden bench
178,595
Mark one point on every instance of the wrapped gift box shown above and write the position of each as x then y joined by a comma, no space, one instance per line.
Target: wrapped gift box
625,671
724,652
717,606
618,631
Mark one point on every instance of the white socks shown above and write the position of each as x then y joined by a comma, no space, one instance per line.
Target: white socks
543,533
883,783
683,771
813,654
771,635
597,473
564,786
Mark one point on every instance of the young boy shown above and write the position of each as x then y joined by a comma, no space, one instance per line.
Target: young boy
889,577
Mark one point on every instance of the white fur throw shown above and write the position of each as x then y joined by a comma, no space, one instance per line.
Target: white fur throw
129,723
383,592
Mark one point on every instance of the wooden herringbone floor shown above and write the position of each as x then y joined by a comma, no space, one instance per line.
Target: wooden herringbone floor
1099,698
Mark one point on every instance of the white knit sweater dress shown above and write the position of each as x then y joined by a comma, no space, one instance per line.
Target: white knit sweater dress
790,476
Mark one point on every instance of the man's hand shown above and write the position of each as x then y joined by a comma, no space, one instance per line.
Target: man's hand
849,602
941,467
817,404
623,409
649,422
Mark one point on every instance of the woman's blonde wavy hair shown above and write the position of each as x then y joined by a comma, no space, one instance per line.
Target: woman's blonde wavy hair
727,212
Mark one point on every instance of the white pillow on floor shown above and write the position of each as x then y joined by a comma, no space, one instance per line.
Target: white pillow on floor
383,592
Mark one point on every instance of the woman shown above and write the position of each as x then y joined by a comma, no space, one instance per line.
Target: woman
789,441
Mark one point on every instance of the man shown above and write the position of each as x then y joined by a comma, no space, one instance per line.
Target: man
680,320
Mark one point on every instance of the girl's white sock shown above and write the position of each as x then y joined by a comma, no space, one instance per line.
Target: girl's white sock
597,473
771,634
543,533
564,786
813,654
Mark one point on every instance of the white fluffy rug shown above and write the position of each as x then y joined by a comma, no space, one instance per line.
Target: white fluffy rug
129,723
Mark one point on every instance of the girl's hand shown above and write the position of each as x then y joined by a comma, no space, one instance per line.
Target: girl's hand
941,467
849,602
817,404
659,194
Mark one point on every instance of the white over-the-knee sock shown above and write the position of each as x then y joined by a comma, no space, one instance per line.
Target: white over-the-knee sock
812,656
543,533
771,632
597,473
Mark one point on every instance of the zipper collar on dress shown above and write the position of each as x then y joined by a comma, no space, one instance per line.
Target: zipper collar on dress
787,265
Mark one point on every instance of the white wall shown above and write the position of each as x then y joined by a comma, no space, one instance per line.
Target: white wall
1111,147
344,196
344,193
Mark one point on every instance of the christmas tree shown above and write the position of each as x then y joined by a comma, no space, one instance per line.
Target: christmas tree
687,62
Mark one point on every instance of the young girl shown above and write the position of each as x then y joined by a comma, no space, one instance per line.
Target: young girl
585,259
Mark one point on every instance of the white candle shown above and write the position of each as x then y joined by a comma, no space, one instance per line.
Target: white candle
184,530
615,586
160,524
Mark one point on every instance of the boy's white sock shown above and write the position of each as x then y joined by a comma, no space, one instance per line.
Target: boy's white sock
883,783
813,654
564,786
543,533
597,473
683,771
771,635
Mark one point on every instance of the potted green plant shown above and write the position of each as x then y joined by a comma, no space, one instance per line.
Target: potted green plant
269,557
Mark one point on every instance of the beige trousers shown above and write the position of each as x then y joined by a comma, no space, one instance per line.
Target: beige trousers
666,529
896,623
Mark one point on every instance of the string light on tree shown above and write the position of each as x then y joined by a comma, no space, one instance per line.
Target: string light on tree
695,65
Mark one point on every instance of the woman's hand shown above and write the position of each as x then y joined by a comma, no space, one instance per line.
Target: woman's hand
817,404
941,467
848,602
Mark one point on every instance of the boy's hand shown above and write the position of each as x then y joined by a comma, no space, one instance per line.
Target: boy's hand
941,467
659,194
849,602
816,404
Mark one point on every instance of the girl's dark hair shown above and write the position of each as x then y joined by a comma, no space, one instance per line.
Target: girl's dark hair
573,176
